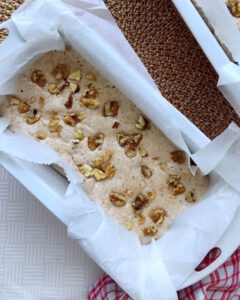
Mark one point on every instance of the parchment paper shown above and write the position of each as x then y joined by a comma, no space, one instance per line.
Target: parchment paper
147,272
227,29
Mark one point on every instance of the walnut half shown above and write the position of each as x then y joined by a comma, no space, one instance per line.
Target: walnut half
117,199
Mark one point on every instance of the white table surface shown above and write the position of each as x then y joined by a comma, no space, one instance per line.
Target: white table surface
37,259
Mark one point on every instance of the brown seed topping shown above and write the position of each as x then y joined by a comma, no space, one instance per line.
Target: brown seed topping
117,199
38,78
69,103
23,107
115,125
131,151
157,215
178,157
190,197
142,123
234,7
33,117
61,71
40,135
95,141
110,109
150,231
146,171
53,89
140,202
71,119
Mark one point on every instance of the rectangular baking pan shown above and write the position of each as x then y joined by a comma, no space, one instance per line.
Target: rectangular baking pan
49,187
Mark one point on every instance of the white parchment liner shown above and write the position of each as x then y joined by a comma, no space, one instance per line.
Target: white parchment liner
227,29
147,272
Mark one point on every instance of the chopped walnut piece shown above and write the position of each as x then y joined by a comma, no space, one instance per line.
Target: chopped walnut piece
86,170
178,157
180,189
38,78
146,171
128,226
71,119
81,115
190,197
140,202
54,125
142,151
33,117
61,71
115,125
131,140
90,103
14,101
69,103
53,89
40,135
117,199
23,107
110,109
78,134
131,151
91,76
140,218
94,141
74,87
174,181
110,171
142,123
234,7
164,166
99,174
103,159
151,195
91,93
150,231
157,215
75,75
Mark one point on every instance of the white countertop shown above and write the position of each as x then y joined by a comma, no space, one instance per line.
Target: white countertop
37,259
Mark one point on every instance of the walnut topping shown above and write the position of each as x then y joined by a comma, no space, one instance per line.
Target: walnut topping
177,187
14,101
86,170
23,107
110,171
142,123
128,226
110,109
95,141
61,71
75,75
142,151
71,119
234,7
140,202
33,117
157,216
178,157
151,195
78,134
164,166
117,199
74,87
69,103
90,103
91,76
99,174
54,125
150,231
190,197
146,171
81,115
115,125
103,159
38,78
91,93
131,151
130,140
53,89
40,135
141,219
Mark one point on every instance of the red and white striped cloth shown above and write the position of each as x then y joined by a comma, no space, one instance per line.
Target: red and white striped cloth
222,284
